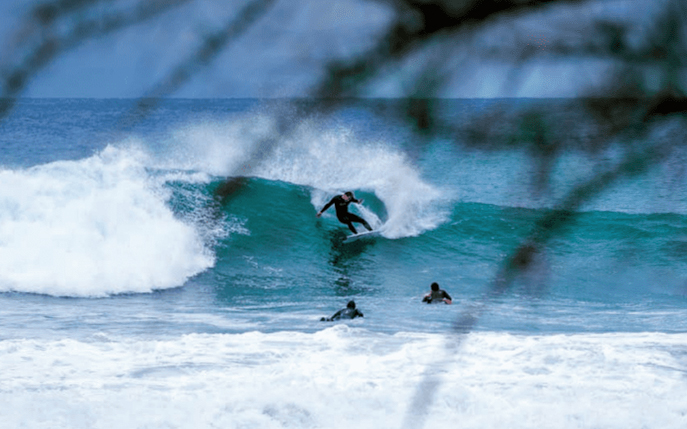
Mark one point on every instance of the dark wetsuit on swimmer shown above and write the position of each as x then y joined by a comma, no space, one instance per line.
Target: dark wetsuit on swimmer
341,203
350,312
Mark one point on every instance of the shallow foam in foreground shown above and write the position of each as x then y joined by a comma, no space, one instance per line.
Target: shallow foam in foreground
343,377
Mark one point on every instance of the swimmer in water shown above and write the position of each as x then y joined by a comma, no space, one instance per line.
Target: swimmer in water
350,312
437,295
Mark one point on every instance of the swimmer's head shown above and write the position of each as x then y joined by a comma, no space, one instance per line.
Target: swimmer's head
435,286
351,304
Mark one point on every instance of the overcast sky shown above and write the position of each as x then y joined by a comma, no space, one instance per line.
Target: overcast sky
284,52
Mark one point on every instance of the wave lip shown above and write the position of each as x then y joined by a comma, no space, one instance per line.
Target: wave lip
93,227
328,160
334,162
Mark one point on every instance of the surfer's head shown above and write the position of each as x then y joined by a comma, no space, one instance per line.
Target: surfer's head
351,304
348,195
435,286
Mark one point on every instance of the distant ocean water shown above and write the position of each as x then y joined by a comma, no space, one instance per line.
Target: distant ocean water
172,273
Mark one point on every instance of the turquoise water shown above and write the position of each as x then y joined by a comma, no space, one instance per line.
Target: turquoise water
185,229
251,245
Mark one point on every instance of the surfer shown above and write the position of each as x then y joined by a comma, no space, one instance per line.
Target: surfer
437,295
350,312
341,203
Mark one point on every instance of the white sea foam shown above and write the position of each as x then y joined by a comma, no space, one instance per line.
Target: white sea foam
101,225
329,161
93,227
335,162
343,377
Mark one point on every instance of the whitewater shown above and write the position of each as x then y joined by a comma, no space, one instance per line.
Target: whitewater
173,274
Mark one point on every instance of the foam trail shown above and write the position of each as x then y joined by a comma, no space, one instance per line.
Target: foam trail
93,227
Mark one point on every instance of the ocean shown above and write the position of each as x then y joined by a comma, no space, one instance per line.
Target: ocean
166,269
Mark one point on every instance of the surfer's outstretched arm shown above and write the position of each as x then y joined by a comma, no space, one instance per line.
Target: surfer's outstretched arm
336,315
326,206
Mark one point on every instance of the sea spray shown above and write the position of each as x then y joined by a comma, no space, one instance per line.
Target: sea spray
327,159
93,227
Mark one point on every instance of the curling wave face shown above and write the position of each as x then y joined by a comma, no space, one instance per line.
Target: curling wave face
329,162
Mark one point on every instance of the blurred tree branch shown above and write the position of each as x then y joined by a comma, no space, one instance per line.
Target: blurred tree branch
642,90
53,28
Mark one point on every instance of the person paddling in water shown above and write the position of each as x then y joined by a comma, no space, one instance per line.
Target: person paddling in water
350,312
341,203
437,295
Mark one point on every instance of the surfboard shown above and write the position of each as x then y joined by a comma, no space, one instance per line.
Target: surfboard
367,234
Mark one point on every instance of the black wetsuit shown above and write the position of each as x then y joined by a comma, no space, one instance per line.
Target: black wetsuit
436,296
344,313
343,215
